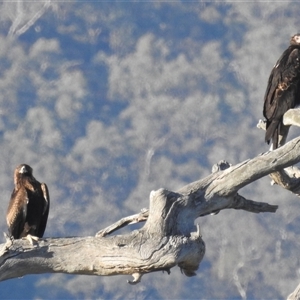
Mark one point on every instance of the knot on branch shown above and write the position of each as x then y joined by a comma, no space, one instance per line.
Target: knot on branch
220,166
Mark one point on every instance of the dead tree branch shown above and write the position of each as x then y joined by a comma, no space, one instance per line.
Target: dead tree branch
168,238
141,217
288,178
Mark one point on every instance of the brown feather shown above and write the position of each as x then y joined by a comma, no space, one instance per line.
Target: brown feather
283,90
29,205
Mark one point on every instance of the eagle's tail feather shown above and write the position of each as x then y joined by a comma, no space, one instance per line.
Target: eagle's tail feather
272,132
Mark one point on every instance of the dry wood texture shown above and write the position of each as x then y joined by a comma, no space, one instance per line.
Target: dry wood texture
169,236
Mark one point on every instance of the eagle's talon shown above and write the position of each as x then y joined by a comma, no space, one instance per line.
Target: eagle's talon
31,238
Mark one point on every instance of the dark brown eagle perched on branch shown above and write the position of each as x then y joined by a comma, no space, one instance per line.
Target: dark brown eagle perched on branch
283,90
29,204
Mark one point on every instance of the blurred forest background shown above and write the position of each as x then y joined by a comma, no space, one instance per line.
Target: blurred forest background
108,100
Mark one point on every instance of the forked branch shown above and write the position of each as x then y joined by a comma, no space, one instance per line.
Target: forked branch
168,238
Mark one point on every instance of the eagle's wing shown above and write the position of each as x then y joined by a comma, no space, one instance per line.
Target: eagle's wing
269,104
281,93
17,212
271,100
46,207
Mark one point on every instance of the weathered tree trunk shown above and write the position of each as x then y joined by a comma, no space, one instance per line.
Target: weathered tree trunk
169,236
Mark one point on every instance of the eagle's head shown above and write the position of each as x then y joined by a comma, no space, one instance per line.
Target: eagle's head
24,169
295,39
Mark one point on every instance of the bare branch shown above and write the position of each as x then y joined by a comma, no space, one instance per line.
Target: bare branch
141,217
288,178
169,236
240,202
22,15
159,245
